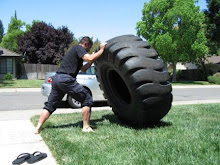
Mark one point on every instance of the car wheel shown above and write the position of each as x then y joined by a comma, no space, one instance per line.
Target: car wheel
134,80
73,103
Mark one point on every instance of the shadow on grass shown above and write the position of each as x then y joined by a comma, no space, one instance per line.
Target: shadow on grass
115,120
65,104
77,124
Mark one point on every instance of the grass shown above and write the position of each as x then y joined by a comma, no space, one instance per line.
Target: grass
21,83
188,135
191,83
37,83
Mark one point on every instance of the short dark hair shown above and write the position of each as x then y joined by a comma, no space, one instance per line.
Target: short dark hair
87,40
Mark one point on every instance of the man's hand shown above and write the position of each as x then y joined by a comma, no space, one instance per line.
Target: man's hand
102,46
90,58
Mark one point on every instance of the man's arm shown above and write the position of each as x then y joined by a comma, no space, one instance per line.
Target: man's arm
85,67
90,58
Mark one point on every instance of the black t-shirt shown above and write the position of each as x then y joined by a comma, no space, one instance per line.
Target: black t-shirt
72,61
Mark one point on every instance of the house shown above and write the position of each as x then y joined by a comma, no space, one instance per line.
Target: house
193,72
8,62
215,60
186,66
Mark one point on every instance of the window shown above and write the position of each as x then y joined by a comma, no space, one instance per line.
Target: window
90,71
6,65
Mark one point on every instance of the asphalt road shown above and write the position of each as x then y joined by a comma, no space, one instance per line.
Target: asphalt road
35,100
190,93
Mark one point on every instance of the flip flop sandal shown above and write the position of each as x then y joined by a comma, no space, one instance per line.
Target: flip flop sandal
36,156
21,158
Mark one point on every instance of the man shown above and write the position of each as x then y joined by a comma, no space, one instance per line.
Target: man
64,82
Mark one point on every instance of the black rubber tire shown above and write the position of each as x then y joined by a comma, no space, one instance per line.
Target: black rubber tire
134,80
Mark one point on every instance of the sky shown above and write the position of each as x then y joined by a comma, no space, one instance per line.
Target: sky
102,19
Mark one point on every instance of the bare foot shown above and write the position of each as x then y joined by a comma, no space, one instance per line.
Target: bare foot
88,129
37,131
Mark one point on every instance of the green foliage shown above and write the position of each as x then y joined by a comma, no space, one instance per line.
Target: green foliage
28,26
8,76
215,79
44,44
74,42
175,29
9,41
95,46
21,83
1,31
213,23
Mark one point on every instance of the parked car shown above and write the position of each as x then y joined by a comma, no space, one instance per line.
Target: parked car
86,79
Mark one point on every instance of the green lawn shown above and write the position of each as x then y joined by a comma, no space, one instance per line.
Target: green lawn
188,135
37,83
21,83
191,83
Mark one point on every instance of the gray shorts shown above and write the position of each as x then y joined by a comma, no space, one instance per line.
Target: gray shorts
65,84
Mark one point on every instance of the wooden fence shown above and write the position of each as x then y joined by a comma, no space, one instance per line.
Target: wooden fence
35,71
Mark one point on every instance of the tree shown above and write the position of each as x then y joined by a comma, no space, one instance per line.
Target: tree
175,29
1,31
213,24
95,45
28,26
44,44
74,42
9,41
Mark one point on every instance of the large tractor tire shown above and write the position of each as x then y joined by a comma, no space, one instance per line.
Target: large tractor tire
134,80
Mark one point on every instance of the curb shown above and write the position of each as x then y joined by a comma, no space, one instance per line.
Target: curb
211,101
196,86
4,90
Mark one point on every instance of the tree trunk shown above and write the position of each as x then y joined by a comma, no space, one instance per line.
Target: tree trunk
174,72
204,69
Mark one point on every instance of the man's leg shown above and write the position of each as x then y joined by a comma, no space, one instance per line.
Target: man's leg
43,117
86,114
79,93
54,100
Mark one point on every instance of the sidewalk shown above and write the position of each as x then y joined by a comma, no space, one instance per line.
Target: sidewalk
17,132
17,135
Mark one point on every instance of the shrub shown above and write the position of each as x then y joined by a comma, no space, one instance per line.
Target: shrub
215,79
8,76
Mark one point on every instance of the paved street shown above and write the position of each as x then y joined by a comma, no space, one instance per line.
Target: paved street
21,101
181,93
35,100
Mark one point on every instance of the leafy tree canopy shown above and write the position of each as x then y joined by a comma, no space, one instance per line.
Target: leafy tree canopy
1,31
213,25
94,47
44,44
9,41
175,29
